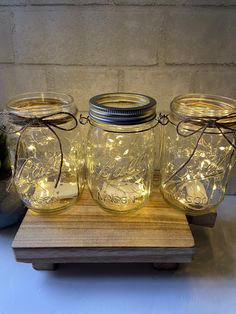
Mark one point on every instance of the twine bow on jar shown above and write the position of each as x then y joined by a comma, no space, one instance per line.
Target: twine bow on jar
49,121
225,125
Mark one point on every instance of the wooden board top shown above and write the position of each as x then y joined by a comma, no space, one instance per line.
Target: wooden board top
86,225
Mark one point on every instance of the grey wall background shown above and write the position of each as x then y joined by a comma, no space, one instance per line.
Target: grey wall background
156,47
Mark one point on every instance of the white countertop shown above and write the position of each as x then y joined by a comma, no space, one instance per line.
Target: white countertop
207,285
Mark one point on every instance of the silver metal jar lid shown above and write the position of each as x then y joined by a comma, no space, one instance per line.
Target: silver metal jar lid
122,108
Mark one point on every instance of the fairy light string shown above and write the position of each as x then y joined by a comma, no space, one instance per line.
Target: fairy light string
50,121
225,125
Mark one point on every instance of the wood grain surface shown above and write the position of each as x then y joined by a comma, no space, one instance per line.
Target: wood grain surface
86,233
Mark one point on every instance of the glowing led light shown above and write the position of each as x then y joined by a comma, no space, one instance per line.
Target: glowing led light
182,200
31,147
42,184
205,163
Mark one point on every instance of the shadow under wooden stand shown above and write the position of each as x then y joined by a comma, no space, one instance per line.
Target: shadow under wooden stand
84,233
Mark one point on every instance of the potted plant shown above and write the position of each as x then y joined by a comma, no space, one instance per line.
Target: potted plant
12,209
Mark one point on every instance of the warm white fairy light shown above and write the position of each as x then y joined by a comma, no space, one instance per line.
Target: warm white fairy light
31,147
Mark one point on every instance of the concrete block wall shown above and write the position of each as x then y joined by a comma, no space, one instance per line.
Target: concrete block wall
84,47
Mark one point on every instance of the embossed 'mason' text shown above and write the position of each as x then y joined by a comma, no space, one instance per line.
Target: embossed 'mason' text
115,199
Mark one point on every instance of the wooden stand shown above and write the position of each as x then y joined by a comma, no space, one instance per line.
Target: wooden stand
85,233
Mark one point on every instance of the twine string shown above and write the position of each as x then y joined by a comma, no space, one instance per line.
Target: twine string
84,119
49,121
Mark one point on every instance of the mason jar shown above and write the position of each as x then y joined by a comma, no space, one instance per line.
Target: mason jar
120,150
46,150
198,152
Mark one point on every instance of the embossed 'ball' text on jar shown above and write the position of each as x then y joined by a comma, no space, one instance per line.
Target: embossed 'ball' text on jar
198,152
120,150
46,150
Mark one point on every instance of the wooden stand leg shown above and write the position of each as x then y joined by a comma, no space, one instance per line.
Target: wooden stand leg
207,220
44,266
165,266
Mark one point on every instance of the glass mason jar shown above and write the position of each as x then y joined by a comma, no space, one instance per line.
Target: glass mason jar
46,150
120,150
198,151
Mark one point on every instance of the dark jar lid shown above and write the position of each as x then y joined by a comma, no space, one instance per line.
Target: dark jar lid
122,108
